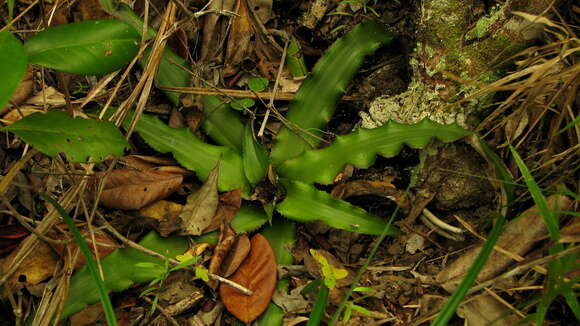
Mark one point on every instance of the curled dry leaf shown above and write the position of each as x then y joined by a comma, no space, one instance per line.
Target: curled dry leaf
240,38
165,213
237,254
133,189
225,242
258,274
201,206
39,265
229,204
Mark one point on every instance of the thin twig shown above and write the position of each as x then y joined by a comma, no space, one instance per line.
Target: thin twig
279,96
30,228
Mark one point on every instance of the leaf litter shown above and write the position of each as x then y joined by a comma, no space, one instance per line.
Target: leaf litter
400,288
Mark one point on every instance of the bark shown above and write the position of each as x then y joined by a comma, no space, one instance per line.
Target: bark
458,41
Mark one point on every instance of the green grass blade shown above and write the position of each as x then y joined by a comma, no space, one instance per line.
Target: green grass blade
550,219
317,312
449,309
500,170
92,265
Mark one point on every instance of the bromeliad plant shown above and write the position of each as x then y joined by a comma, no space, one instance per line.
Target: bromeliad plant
244,161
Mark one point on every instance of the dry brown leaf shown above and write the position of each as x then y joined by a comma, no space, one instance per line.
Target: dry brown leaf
193,119
483,309
133,189
105,245
258,274
239,39
211,41
166,213
39,265
225,242
229,204
236,255
518,237
201,206
176,119
262,8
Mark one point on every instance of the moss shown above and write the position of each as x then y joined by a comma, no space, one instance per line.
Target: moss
482,27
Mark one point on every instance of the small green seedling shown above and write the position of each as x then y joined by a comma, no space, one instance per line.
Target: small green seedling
350,305
258,84
163,272
330,273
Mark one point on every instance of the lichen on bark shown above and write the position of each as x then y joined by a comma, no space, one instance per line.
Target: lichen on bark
460,44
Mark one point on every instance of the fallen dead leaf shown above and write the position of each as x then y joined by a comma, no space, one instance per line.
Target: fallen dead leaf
39,265
483,309
201,206
258,274
236,255
239,39
134,189
166,215
229,204
518,237
225,242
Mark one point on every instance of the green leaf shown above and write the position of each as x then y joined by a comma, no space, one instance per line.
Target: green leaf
91,265
12,65
331,274
192,153
119,268
242,104
222,123
318,96
304,203
254,156
361,147
248,219
295,59
202,273
317,312
258,84
80,139
92,47
170,73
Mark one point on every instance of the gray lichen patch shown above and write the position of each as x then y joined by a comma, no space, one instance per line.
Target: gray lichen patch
410,107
